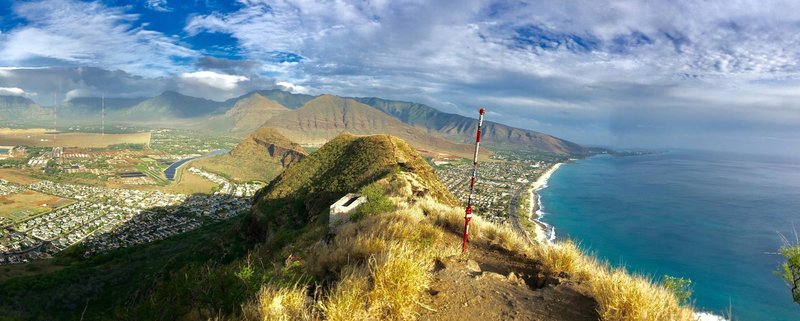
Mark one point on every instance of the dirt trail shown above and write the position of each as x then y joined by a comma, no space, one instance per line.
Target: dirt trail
496,285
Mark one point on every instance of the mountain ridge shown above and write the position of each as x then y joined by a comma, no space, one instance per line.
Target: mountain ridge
326,116
20,108
460,128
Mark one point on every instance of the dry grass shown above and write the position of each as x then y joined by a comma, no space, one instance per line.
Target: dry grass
279,304
620,295
384,265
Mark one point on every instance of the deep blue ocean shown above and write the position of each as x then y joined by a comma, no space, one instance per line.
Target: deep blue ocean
710,217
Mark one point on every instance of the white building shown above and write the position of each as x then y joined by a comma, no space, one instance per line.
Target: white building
340,211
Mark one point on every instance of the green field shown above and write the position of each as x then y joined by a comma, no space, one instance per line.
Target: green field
27,204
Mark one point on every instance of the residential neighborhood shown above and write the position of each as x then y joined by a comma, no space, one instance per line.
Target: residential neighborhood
108,218
496,184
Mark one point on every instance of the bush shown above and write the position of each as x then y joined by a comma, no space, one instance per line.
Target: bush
790,270
377,203
680,286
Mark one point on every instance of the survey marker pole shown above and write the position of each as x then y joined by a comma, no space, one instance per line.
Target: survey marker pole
468,214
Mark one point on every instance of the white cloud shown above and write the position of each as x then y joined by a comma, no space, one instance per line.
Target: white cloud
11,91
213,79
290,87
158,5
89,34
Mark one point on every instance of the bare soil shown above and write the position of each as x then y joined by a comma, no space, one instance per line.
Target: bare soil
493,284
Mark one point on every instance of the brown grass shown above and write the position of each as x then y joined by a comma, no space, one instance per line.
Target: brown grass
42,138
189,183
279,304
384,264
620,295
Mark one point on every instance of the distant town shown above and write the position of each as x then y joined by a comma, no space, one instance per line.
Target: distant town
108,218
500,181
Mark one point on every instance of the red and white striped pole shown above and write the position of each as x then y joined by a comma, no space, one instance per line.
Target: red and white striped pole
468,215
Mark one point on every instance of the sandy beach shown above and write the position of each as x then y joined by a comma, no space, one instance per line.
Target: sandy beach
542,235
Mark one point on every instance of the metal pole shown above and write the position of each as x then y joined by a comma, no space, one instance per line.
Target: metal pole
468,214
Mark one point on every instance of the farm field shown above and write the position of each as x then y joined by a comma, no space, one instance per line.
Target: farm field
187,182
23,205
17,176
41,137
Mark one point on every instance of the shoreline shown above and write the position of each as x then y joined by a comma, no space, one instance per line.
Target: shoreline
545,234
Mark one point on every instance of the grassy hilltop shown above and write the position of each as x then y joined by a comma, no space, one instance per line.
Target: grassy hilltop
398,259
261,156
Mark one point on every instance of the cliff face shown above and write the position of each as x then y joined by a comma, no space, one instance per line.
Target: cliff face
263,155
277,147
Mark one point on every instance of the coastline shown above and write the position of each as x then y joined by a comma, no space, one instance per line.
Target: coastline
545,234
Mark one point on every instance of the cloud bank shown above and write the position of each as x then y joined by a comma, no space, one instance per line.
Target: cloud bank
721,74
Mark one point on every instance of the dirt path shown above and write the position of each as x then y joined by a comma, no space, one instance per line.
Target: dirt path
496,285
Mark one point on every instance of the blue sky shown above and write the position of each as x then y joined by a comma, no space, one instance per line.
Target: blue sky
696,74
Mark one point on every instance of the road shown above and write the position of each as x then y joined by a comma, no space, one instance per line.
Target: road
512,211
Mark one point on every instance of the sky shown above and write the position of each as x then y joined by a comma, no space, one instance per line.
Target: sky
720,75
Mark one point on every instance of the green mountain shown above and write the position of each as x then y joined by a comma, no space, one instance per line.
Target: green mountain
91,107
326,116
17,108
250,112
462,129
172,105
261,156
345,164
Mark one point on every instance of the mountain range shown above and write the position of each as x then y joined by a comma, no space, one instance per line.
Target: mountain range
304,118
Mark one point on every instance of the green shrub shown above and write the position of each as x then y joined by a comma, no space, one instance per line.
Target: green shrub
790,270
680,286
377,203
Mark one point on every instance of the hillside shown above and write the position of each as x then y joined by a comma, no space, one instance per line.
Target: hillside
343,165
252,111
172,105
261,156
15,108
398,258
326,116
460,128
81,108
290,100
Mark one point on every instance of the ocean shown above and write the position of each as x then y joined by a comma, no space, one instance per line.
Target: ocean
714,218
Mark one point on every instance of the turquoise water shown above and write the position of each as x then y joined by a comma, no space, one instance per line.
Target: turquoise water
714,218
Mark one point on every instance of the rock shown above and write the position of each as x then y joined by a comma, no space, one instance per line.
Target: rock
473,266
553,281
445,263
539,280
491,275
512,277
